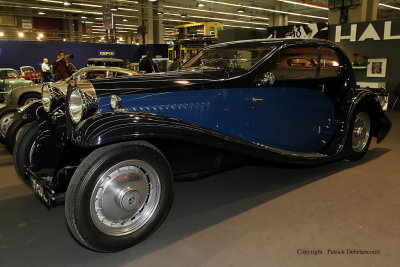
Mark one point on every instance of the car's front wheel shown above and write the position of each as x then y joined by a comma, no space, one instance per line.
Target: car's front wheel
360,134
14,131
118,196
23,147
6,118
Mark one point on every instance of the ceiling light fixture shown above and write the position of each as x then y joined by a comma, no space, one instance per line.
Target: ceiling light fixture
183,15
218,19
389,6
83,17
41,13
114,8
1,34
159,12
20,34
218,12
200,4
319,6
124,19
85,4
152,0
240,10
66,3
264,9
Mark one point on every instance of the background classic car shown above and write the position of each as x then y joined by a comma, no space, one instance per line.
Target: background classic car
113,150
9,79
26,95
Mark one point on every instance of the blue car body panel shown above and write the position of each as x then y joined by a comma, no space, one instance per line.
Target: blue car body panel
293,119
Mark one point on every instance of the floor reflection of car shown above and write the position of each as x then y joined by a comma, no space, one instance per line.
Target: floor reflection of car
25,95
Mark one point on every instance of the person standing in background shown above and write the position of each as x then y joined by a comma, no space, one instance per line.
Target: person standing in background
175,65
46,73
62,66
147,64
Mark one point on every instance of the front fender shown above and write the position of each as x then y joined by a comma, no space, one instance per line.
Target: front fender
31,111
111,127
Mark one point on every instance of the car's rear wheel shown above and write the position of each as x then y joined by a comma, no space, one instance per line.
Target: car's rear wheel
118,196
23,147
6,118
14,132
360,134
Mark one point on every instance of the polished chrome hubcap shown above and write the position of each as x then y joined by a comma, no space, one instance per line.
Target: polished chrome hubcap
361,132
125,197
5,123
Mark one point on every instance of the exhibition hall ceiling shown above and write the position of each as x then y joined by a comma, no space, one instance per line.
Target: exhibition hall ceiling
256,13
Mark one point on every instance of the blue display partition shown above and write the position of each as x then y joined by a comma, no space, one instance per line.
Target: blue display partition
14,54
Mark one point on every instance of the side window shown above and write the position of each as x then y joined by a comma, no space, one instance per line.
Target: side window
120,74
329,66
98,74
295,64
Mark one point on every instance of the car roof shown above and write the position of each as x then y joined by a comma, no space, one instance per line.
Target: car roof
108,59
270,42
7,69
105,68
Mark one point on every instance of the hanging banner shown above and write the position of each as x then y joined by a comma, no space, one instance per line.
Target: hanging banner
108,23
308,31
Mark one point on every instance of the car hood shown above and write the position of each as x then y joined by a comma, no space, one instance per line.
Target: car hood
18,81
38,88
165,81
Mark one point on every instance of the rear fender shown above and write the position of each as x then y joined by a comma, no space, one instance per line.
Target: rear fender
380,122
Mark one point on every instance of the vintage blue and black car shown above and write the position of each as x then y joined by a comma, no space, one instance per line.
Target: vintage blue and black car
111,148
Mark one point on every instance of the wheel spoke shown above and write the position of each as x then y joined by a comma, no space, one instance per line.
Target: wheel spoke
361,132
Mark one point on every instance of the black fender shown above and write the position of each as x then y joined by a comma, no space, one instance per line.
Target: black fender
380,122
30,112
111,127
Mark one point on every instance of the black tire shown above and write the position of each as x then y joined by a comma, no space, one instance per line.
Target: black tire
360,133
23,147
6,118
29,98
14,131
118,196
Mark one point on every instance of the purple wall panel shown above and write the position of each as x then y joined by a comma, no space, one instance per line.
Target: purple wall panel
31,53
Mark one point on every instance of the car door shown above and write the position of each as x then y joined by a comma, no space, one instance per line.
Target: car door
291,110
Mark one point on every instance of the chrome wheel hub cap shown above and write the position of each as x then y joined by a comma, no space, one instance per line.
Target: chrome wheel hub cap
5,123
361,132
30,101
125,197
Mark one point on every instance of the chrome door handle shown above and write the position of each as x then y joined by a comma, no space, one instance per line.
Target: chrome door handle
257,100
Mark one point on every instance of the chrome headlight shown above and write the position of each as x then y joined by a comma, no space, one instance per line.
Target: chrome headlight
75,106
115,102
46,98
51,97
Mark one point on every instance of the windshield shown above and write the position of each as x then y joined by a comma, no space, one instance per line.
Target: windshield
12,74
241,58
